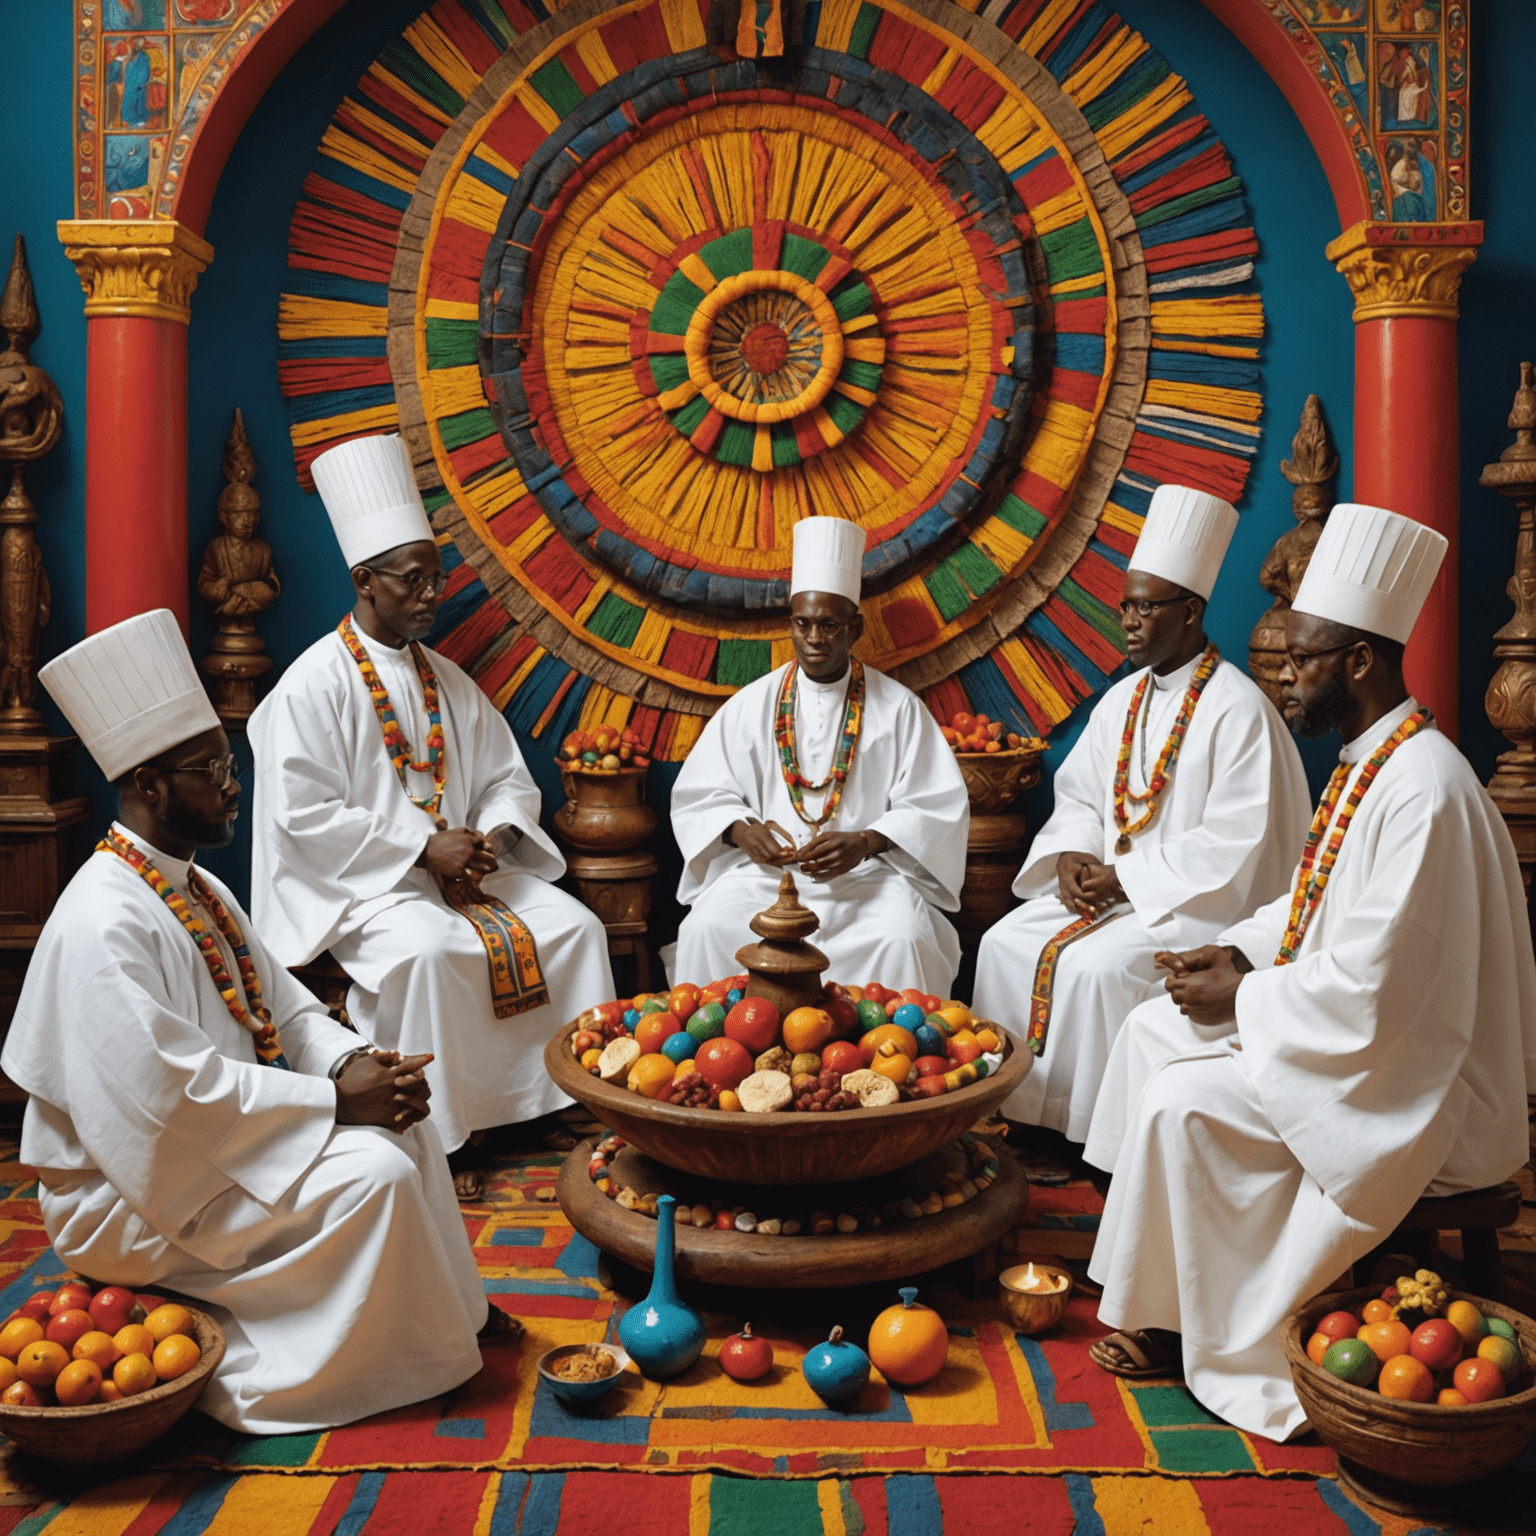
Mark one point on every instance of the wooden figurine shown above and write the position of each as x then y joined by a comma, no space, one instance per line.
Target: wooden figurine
1311,468
237,581
1511,697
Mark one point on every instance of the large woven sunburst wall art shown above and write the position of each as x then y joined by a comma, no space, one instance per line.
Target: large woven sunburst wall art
638,304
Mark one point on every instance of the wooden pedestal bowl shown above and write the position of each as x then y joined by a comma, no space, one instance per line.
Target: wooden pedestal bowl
785,1148
1383,1441
993,780
106,1432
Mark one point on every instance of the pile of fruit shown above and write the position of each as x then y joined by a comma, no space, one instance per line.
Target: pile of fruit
977,733
1414,1344
603,750
68,1347
715,1048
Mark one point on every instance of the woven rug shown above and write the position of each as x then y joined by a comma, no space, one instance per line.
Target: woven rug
500,1456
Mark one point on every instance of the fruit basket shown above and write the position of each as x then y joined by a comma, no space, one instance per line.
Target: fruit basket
106,1432
993,779
784,1148
1421,1444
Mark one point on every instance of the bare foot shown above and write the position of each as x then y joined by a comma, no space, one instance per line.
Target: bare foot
469,1186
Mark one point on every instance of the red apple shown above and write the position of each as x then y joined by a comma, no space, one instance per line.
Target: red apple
67,1328
745,1357
72,1296
1339,1325
112,1309
1436,1343
844,1016
754,1022
36,1305
841,1056
937,1066
21,1394
723,1062
929,1087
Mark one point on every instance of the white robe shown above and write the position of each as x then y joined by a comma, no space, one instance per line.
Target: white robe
1227,833
167,1155
883,920
334,849
1390,1060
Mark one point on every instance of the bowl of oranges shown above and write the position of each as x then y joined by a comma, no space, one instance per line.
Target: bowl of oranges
1417,1383
93,1374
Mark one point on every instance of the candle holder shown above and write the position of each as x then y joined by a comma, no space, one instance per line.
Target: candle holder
1034,1311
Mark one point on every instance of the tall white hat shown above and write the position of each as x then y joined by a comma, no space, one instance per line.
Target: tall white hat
371,497
1371,569
829,557
131,692
1185,538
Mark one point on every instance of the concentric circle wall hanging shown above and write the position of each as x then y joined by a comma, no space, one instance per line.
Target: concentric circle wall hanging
638,304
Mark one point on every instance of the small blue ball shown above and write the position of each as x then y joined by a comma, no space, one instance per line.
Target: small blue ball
733,997
909,1016
679,1047
930,1041
631,1019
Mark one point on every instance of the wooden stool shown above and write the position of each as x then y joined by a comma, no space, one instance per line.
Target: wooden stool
1477,1215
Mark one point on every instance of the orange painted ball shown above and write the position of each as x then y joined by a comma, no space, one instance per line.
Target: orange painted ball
909,1344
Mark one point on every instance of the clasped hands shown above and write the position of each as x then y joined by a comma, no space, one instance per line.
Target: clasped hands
1087,887
461,853
383,1088
1204,982
827,855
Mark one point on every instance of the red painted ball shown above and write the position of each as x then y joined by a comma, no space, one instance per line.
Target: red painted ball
723,1062
754,1021
745,1357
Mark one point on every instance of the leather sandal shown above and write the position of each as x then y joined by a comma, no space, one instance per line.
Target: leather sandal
1136,1354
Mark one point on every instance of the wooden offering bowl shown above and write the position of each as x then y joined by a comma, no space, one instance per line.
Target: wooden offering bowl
1418,1444
1034,1311
784,1148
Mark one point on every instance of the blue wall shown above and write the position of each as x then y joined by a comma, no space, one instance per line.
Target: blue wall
1309,346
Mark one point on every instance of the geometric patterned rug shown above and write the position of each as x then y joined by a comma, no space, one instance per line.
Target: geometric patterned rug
499,1457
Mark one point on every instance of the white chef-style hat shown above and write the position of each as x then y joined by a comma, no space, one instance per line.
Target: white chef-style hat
371,497
1371,569
130,692
829,557
1185,538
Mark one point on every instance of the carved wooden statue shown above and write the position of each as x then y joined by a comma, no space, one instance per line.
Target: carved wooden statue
31,419
1511,698
237,582
1311,468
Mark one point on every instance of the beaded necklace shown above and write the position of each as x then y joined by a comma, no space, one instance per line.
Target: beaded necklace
1163,768
395,742
789,757
256,1018
1312,877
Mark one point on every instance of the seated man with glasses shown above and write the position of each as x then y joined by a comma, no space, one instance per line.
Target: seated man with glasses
1180,808
397,826
836,771
196,1120
1367,1038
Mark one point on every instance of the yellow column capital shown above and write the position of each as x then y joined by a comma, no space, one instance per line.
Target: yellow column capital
143,267
1405,269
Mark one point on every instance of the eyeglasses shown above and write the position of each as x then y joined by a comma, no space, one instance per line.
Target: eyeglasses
829,629
1299,659
416,582
1145,607
221,772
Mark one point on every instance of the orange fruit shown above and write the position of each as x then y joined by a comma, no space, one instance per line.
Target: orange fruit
649,1075
1377,1311
108,1391
39,1364
1405,1378
806,1029
77,1383
134,1339
17,1334
1478,1380
175,1355
728,1100
909,1343
1317,1347
1466,1320
1450,1398
98,1348
892,1064
7,1373
1503,1353
1385,1340
956,1015
903,1039
133,1374
168,1319
963,1047
21,1395
654,1030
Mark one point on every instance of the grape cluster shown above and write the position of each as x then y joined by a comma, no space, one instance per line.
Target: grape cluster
693,1092
826,1096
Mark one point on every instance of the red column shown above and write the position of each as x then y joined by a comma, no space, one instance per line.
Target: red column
1405,279
135,469
138,280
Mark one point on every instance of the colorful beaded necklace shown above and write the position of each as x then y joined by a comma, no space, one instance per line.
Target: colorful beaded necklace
1166,758
395,742
789,757
268,1048
1312,877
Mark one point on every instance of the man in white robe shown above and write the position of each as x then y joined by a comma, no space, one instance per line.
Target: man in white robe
881,872
347,857
310,1208
1287,1121
1223,837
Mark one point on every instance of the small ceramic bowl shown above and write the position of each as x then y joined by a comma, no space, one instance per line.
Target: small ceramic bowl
582,1395
1034,1311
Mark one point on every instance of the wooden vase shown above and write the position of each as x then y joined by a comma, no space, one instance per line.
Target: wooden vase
604,813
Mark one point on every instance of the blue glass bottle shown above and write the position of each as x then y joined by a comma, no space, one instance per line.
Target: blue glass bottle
662,1335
